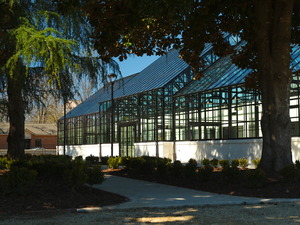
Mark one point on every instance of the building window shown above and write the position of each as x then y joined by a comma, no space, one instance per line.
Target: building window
38,143
27,143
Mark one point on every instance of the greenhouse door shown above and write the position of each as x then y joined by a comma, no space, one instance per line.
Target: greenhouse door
127,137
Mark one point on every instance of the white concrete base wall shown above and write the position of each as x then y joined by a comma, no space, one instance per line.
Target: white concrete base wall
226,149
165,149
79,150
296,148
184,150
219,149
145,148
106,150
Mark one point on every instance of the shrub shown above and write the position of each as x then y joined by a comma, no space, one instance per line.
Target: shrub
235,163
255,178
79,157
224,163
136,164
18,180
297,164
205,162
214,162
126,161
205,173
190,168
192,162
50,168
177,169
114,162
230,175
148,165
92,160
255,162
290,173
243,163
6,162
95,175
20,163
163,168
76,175
104,160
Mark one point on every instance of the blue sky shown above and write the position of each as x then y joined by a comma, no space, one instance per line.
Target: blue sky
134,64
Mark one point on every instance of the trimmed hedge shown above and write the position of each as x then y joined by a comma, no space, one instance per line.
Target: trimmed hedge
48,168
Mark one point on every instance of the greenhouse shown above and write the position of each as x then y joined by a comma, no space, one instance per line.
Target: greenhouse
162,111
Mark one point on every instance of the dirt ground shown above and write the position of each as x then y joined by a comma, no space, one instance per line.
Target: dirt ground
283,213
53,197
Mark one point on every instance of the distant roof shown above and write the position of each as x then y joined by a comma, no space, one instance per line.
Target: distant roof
155,76
36,129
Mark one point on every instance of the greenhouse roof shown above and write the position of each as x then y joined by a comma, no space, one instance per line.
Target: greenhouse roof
155,76
224,73
220,73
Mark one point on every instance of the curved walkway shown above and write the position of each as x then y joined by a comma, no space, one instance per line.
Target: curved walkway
147,194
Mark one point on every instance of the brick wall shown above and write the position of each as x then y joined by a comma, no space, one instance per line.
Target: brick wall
47,141
3,141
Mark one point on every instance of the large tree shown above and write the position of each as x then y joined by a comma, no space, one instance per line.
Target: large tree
269,27
41,40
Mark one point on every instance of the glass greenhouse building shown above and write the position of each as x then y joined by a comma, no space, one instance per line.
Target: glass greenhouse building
162,111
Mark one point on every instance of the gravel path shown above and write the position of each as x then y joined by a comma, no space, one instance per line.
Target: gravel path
282,213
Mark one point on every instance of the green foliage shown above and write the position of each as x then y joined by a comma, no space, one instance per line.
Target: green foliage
6,162
79,157
256,162
230,175
177,169
193,163
224,163
297,164
163,168
92,160
44,43
205,173
290,173
50,168
95,175
235,163
76,175
190,168
243,163
148,166
33,45
136,164
255,178
18,180
114,162
126,161
104,160
205,162
214,162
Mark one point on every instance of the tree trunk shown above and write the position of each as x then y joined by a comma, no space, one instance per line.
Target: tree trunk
273,24
16,137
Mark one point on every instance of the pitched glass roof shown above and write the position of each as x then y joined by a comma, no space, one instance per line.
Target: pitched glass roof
156,75
224,73
220,73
